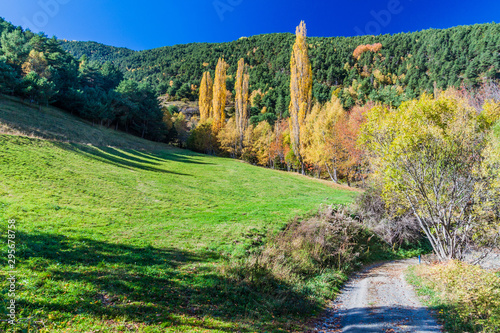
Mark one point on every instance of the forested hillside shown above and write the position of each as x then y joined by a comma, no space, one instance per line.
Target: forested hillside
401,68
37,69
96,51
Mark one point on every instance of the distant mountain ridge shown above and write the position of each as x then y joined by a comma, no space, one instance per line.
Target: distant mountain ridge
407,64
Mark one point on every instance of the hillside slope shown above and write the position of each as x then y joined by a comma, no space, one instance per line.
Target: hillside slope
50,123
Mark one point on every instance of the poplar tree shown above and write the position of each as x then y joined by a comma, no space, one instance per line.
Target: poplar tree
206,95
219,96
241,99
300,90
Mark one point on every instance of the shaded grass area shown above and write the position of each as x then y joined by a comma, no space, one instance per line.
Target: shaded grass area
465,298
72,282
18,117
131,240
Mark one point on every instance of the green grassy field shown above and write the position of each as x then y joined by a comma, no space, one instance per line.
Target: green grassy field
118,240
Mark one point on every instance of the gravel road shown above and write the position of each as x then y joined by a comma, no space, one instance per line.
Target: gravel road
378,299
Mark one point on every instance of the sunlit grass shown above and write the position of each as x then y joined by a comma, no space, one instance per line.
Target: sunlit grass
116,239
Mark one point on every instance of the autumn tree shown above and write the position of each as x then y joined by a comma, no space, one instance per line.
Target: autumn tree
431,157
229,138
318,135
206,95
219,96
241,99
300,90
347,155
257,144
280,146
37,63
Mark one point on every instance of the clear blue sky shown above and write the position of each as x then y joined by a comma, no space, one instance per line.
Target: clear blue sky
153,23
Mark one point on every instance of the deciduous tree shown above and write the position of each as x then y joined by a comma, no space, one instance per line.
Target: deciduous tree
219,96
37,63
300,90
241,99
206,95
229,138
430,156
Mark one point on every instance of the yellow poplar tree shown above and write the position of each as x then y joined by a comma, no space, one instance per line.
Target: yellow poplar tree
206,95
241,99
300,90
219,96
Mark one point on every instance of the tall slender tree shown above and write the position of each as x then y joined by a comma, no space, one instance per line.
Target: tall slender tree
241,99
219,96
300,90
206,95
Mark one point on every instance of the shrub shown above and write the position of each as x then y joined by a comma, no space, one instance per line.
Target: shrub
397,228
310,257
468,296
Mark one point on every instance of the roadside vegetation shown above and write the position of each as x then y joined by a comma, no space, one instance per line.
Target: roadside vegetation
466,298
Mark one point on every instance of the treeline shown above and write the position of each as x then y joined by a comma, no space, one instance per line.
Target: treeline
38,69
402,68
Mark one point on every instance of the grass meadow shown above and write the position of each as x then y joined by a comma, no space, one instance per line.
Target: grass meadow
117,240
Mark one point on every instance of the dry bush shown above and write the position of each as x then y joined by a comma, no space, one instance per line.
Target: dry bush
330,240
397,228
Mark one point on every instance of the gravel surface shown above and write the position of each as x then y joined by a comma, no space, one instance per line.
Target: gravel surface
379,300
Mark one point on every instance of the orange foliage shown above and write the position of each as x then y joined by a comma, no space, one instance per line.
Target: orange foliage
348,154
365,48
280,147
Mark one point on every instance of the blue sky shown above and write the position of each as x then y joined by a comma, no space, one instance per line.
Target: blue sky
153,23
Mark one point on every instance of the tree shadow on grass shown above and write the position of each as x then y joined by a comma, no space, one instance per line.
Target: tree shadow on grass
171,156
115,157
145,285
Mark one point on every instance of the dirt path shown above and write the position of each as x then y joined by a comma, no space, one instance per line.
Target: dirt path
379,300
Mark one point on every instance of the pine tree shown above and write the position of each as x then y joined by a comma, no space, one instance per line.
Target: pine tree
241,99
206,95
219,96
300,90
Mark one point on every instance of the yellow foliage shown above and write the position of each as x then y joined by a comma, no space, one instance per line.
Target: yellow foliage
219,96
37,63
300,88
206,95
229,138
258,142
491,111
319,131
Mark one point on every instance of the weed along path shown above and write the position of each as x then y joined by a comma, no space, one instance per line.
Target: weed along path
378,299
